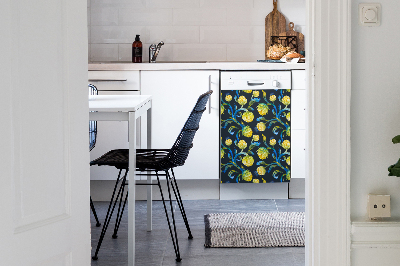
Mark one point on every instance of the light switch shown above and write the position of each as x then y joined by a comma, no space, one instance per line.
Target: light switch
369,14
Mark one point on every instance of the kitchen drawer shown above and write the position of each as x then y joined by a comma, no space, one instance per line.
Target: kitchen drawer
115,80
255,80
298,79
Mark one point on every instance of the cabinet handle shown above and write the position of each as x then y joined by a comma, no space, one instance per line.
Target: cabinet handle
209,99
254,83
99,80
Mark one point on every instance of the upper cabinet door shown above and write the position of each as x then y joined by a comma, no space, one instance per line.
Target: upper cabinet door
174,96
44,160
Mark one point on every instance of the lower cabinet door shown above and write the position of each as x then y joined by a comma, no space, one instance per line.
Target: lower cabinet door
255,136
174,96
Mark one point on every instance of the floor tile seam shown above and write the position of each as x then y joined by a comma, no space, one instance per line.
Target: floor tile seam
276,205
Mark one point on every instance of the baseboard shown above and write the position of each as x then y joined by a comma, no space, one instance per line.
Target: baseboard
297,188
101,190
253,191
375,243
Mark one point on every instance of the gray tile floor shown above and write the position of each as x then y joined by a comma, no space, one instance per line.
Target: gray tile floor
155,248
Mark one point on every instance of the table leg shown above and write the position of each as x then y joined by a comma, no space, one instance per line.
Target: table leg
149,178
132,190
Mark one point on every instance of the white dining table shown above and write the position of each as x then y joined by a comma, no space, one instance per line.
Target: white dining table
127,108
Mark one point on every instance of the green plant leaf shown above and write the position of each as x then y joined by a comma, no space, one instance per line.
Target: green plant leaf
396,139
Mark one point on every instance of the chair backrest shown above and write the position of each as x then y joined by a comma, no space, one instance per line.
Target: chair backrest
92,124
180,150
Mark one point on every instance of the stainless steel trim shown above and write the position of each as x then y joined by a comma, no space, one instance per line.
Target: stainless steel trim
254,83
100,80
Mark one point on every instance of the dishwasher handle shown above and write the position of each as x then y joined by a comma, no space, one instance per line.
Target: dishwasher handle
249,83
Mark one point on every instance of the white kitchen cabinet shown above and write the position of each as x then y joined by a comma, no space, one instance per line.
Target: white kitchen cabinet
174,96
112,134
298,119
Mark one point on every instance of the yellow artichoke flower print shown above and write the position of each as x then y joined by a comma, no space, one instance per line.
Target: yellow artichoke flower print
248,160
222,109
286,144
256,93
272,98
248,116
228,142
272,142
247,91
222,153
256,181
261,126
247,176
228,98
242,100
256,137
262,109
288,116
261,170
262,153
247,132
242,144
288,160
286,100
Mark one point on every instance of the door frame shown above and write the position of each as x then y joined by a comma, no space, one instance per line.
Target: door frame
328,221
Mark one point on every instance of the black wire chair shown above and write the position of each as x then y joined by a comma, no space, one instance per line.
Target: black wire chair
149,161
92,143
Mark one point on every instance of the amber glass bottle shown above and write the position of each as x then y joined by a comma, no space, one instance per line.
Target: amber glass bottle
137,50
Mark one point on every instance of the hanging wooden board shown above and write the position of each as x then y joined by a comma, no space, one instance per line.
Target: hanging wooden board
292,32
275,23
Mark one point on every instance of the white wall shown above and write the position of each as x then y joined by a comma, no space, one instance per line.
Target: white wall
375,120
375,108
193,30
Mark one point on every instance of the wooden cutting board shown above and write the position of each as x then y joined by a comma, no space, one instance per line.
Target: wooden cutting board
275,23
292,32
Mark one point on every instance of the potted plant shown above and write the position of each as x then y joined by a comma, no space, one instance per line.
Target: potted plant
394,170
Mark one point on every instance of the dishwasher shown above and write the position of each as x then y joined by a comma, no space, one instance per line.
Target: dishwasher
255,126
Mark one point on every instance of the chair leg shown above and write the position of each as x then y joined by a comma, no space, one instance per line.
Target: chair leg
94,213
109,213
180,203
174,239
120,212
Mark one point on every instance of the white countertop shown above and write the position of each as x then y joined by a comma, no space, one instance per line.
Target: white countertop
196,66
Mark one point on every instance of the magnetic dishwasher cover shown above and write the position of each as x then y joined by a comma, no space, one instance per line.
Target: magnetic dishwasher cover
255,126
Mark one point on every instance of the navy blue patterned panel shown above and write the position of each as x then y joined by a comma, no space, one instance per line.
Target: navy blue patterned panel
255,136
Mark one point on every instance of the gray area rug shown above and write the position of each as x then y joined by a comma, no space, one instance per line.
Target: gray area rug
239,230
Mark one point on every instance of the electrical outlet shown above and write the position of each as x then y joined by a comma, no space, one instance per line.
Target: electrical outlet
378,206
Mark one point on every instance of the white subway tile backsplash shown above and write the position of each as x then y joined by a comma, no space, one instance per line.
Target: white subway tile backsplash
246,16
214,3
173,34
145,17
172,3
115,34
224,34
199,52
125,52
192,30
199,16
250,52
226,3
105,16
104,52
119,3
